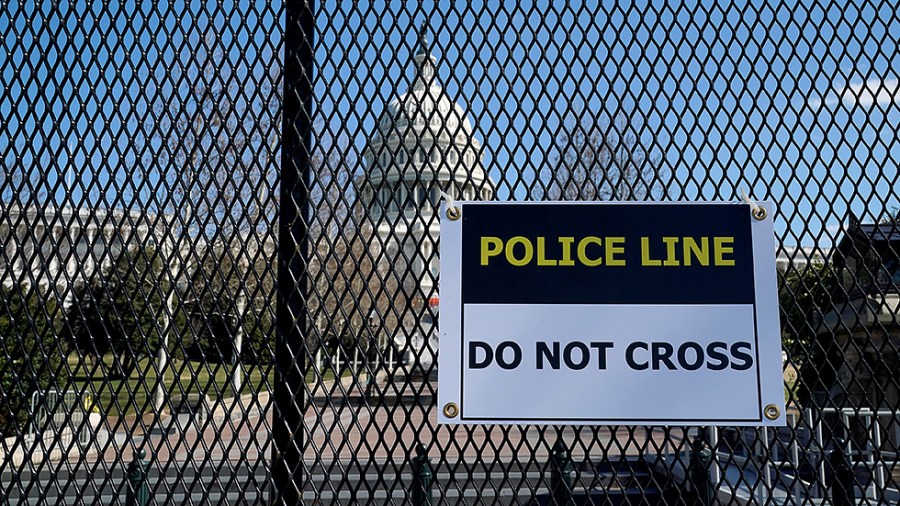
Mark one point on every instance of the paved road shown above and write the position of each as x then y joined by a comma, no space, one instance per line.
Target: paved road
210,484
354,452
238,484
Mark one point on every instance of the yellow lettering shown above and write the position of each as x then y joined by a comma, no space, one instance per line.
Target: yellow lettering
645,254
490,247
582,255
671,260
541,254
510,253
615,246
566,243
698,251
521,251
723,246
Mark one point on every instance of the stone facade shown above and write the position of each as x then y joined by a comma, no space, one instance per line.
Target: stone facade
424,145
58,247
860,334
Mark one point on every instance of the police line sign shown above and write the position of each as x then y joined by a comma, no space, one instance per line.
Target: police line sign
596,313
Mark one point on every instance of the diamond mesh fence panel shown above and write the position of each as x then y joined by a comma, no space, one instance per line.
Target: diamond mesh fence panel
219,241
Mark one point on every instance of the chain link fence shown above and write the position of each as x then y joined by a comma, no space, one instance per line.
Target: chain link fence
219,245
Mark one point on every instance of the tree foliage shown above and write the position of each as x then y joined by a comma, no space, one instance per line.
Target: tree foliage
119,312
805,295
222,305
604,159
30,356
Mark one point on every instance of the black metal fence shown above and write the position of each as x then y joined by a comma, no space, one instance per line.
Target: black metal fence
161,344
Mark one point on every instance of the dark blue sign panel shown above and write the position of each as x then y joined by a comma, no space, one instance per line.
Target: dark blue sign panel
593,254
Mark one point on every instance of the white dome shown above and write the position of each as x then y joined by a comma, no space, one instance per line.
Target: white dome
426,110
422,147
425,117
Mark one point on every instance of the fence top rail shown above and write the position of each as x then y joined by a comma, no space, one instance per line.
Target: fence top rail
849,411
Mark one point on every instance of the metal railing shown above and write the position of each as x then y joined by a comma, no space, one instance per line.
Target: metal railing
53,411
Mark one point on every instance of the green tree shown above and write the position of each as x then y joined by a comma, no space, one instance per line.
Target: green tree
218,303
259,337
804,296
30,356
259,323
230,299
118,312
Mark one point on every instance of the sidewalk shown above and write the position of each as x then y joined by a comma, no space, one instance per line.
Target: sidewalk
353,390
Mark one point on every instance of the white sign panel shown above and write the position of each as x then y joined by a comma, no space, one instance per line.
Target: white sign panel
576,313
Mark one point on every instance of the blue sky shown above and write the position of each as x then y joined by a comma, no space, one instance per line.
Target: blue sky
799,105
90,89
796,104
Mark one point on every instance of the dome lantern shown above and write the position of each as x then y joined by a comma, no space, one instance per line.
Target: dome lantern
424,63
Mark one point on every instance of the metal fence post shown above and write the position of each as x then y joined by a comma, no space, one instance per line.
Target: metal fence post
293,254
561,475
843,481
701,456
138,493
423,478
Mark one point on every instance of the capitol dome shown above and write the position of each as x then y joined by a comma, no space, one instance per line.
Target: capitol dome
424,134
425,109
422,146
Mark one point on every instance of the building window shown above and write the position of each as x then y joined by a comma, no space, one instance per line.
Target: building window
421,196
414,197
384,197
435,195
82,248
401,193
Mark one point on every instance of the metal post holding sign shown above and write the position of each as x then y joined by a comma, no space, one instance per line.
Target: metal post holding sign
293,256
609,313
701,458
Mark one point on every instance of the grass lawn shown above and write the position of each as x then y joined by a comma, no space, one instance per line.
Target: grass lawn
117,397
